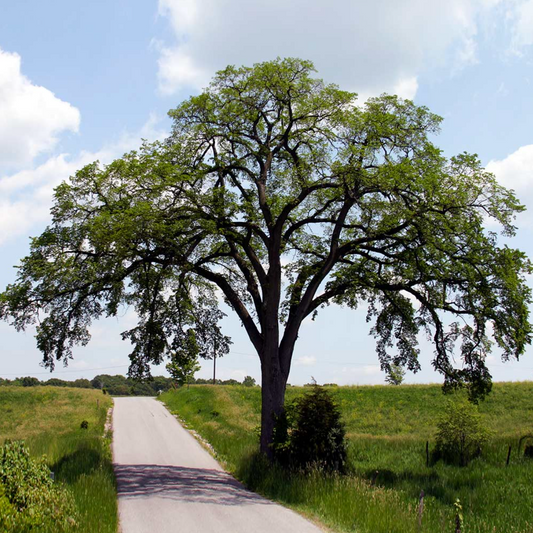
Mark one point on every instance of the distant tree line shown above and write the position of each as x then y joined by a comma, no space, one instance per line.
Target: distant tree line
121,385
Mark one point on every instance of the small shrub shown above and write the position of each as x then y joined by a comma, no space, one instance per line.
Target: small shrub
248,381
311,434
395,375
30,382
461,433
29,499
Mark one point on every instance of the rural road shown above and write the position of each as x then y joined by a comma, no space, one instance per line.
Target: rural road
168,483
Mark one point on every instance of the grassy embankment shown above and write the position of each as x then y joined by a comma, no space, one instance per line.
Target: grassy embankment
387,429
48,419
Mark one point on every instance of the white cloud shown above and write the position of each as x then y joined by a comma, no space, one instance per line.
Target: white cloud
516,170
406,87
31,117
502,90
522,17
467,54
177,68
366,370
239,375
183,14
368,47
371,370
26,196
305,360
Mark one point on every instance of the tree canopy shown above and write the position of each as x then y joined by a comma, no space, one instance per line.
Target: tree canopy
278,193
184,362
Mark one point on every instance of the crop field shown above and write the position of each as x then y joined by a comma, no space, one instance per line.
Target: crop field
387,428
48,419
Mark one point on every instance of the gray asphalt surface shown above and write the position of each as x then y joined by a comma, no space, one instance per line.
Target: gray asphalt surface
168,483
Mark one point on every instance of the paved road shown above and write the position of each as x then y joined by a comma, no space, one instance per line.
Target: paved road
168,483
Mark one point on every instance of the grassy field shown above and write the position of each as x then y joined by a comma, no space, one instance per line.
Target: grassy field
387,429
48,419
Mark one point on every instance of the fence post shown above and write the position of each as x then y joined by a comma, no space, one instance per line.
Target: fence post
458,516
420,510
508,456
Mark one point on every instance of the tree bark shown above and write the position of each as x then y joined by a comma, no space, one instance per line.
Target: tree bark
273,385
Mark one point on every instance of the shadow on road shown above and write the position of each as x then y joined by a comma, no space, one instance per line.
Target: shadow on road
178,483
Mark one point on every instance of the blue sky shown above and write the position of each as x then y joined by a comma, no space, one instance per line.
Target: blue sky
81,81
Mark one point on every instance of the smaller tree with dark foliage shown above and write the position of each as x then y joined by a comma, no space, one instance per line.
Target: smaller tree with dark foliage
311,433
184,361
248,381
29,381
395,375
460,433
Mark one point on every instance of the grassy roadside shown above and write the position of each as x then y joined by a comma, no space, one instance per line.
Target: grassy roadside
387,429
48,419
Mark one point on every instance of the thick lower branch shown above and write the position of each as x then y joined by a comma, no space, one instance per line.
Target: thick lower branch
235,301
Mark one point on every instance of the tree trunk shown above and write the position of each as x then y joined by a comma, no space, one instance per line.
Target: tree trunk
273,384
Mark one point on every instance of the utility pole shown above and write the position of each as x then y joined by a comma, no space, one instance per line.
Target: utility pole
214,361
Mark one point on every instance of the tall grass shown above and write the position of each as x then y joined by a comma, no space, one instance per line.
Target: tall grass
48,419
387,428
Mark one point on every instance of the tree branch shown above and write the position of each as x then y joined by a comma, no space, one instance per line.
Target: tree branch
236,303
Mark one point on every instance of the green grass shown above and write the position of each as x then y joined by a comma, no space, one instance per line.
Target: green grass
48,419
387,429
